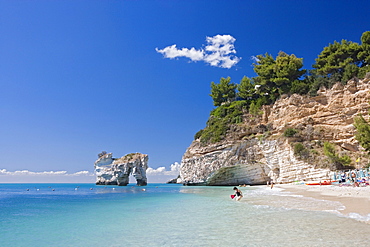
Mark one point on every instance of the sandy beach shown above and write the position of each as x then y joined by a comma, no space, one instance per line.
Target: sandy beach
356,200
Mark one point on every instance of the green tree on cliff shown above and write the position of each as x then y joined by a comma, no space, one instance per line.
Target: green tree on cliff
246,89
364,54
363,132
339,61
276,76
223,92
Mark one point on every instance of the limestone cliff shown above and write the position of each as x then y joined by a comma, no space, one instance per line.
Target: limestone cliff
256,151
112,171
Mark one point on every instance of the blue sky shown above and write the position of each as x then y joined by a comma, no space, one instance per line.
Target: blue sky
79,77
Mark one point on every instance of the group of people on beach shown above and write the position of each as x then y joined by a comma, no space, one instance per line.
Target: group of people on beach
356,178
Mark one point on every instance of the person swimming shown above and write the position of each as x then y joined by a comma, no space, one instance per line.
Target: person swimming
238,194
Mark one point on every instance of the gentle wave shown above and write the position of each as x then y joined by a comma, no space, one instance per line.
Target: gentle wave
169,215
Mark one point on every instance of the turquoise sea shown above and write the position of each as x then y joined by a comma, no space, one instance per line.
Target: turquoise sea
170,215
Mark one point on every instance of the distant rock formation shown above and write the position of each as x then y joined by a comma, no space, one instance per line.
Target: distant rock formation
175,180
256,152
112,171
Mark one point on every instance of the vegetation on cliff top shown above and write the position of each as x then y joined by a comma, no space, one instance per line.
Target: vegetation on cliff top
102,154
338,62
284,75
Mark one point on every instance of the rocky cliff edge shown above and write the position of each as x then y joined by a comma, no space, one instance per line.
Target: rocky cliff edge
256,152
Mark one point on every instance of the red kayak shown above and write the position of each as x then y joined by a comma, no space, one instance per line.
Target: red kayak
322,183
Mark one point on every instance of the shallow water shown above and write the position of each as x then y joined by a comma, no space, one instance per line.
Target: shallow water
169,215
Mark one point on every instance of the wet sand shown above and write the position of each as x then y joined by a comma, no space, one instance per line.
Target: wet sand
354,199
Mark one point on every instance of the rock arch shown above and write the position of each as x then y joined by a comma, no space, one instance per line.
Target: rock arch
116,171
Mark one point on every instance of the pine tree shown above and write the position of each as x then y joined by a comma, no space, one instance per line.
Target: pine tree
223,92
276,76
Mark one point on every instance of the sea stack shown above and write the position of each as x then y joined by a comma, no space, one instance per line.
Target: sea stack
116,171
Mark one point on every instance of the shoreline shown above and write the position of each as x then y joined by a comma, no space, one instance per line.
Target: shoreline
356,200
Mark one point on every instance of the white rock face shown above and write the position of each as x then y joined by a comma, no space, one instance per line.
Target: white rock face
248,162
111,171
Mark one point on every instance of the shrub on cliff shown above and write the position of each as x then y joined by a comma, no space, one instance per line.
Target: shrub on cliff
290,132
215,131
337,160
255,106
220,120
298,148
102,154
198,134
363,132
301,151
231,111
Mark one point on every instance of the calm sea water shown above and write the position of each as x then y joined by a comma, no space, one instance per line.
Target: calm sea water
169,215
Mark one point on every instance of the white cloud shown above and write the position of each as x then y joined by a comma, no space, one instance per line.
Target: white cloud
218,52
26,176
174,170
44,173
173,52
158,175
161,174
87,173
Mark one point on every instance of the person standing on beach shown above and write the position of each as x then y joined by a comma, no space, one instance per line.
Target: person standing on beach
238,194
